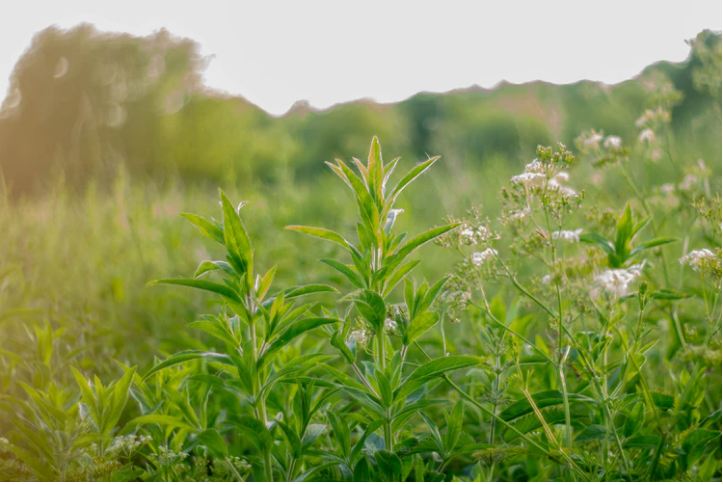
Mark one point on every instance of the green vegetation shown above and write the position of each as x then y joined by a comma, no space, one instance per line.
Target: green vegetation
470,317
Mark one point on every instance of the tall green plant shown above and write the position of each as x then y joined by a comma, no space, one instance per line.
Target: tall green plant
389,389
252,329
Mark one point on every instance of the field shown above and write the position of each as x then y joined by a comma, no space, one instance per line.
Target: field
531,292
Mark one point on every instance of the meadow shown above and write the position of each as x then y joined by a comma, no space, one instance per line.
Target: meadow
494,305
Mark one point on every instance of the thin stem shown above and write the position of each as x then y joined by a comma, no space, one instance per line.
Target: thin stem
509,426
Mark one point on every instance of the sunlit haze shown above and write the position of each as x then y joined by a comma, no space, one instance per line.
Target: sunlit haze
277,52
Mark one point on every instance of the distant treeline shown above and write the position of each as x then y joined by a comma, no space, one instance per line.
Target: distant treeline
83,103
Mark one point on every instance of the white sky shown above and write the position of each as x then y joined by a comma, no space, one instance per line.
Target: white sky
276,52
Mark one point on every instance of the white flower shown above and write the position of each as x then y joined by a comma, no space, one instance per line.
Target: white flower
535,166
567,192
479,258
667,189
616,281
647,135
613,142
466,232
358,337
547,279
483,233
567,235
390,325
518,215
593,140
560,177
698,259
688,182
529,179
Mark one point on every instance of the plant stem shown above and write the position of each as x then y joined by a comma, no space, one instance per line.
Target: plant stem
261,413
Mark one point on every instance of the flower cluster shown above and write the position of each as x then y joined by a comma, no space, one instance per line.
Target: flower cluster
480,257
167,456
653,117
473,236
535,177
544,179
127,444
616,282
599,149
358,338
702,261
572,236
472,231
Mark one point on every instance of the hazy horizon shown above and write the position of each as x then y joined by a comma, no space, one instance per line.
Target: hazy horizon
318,52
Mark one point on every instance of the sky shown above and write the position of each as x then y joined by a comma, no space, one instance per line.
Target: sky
276,52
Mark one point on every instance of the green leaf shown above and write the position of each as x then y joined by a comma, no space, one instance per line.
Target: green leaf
217,288
624,228
372,308
432,369
411,175
212,441
542,399
236,238
296,329
206,266
663,401
322,233
413,244
265,283
595,238
346,270
642,441
420,324
302,290
668,294
651,244
207,227
217,326
184,356
159,419
398,275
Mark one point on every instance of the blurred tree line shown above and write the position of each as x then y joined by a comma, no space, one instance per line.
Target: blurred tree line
83,103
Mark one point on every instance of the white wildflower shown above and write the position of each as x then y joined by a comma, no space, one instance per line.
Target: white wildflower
698,259
567,235
560,177
535,166
593,140
519,215
547,279
467,235
482,233
647,135
390,325
616,281
667,189
358,337
688,182
529,179
481,257
567,192
613,142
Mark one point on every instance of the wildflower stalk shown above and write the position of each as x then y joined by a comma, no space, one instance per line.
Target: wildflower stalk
561,354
